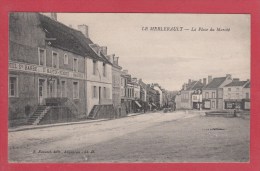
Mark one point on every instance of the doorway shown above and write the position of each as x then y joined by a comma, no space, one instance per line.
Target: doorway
41,91
52,88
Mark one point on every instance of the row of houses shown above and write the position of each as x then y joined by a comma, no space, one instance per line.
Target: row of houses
57,73
218,93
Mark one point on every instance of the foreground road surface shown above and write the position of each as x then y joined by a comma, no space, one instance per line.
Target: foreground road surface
153,137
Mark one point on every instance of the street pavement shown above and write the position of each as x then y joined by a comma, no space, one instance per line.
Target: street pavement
148,137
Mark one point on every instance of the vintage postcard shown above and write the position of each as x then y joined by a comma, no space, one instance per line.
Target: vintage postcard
129,87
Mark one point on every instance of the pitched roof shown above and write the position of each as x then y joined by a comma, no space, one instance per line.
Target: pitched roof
194,85
215,83
69,39
236,83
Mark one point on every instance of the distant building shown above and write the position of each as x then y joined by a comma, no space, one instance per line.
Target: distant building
143,90
127,93
153,97
236,95
212,93
186,94
116,83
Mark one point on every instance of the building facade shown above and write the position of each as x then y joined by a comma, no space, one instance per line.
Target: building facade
186,93
40,70
51,64
213,93
236,95
116,83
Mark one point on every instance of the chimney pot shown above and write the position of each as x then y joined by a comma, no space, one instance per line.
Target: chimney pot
84,30
204,81
104,50
209,78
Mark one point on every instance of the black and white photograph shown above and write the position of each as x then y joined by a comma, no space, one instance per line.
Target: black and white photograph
128,87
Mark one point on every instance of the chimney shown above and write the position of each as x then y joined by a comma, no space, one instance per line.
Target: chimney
84,30
200,81
228,75
209,78
117,60
189,81
104,50
52,15
235,79
184,86
204,81
109,57
125,71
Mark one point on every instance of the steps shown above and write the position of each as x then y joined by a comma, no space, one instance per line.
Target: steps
102,111
94,111
38,115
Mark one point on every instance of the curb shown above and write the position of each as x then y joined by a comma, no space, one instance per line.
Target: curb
24,128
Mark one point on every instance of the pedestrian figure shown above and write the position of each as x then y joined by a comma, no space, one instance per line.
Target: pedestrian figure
235,113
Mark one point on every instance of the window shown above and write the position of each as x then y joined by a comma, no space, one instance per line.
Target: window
213,95
104,69
122,82
75,90
63,89
107,93
104,92
213,104
207,95
247,95
229,89
94,92
66,59
94,67
42,57
55,60
13,86
75,64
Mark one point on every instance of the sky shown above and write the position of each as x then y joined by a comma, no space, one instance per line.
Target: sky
170,58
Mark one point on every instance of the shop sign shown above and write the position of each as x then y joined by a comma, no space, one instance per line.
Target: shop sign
44,70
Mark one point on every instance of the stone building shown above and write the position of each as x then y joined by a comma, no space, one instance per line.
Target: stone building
212,94
186,94
236,95
127,93
153,97
116,83
54,73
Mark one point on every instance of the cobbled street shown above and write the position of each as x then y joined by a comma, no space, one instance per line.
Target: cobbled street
152,137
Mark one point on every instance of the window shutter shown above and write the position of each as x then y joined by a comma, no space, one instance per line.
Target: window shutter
108,93
92,91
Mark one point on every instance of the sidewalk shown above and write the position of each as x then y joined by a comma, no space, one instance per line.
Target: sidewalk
28,127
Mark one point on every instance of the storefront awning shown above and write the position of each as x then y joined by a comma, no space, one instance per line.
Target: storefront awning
138,104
